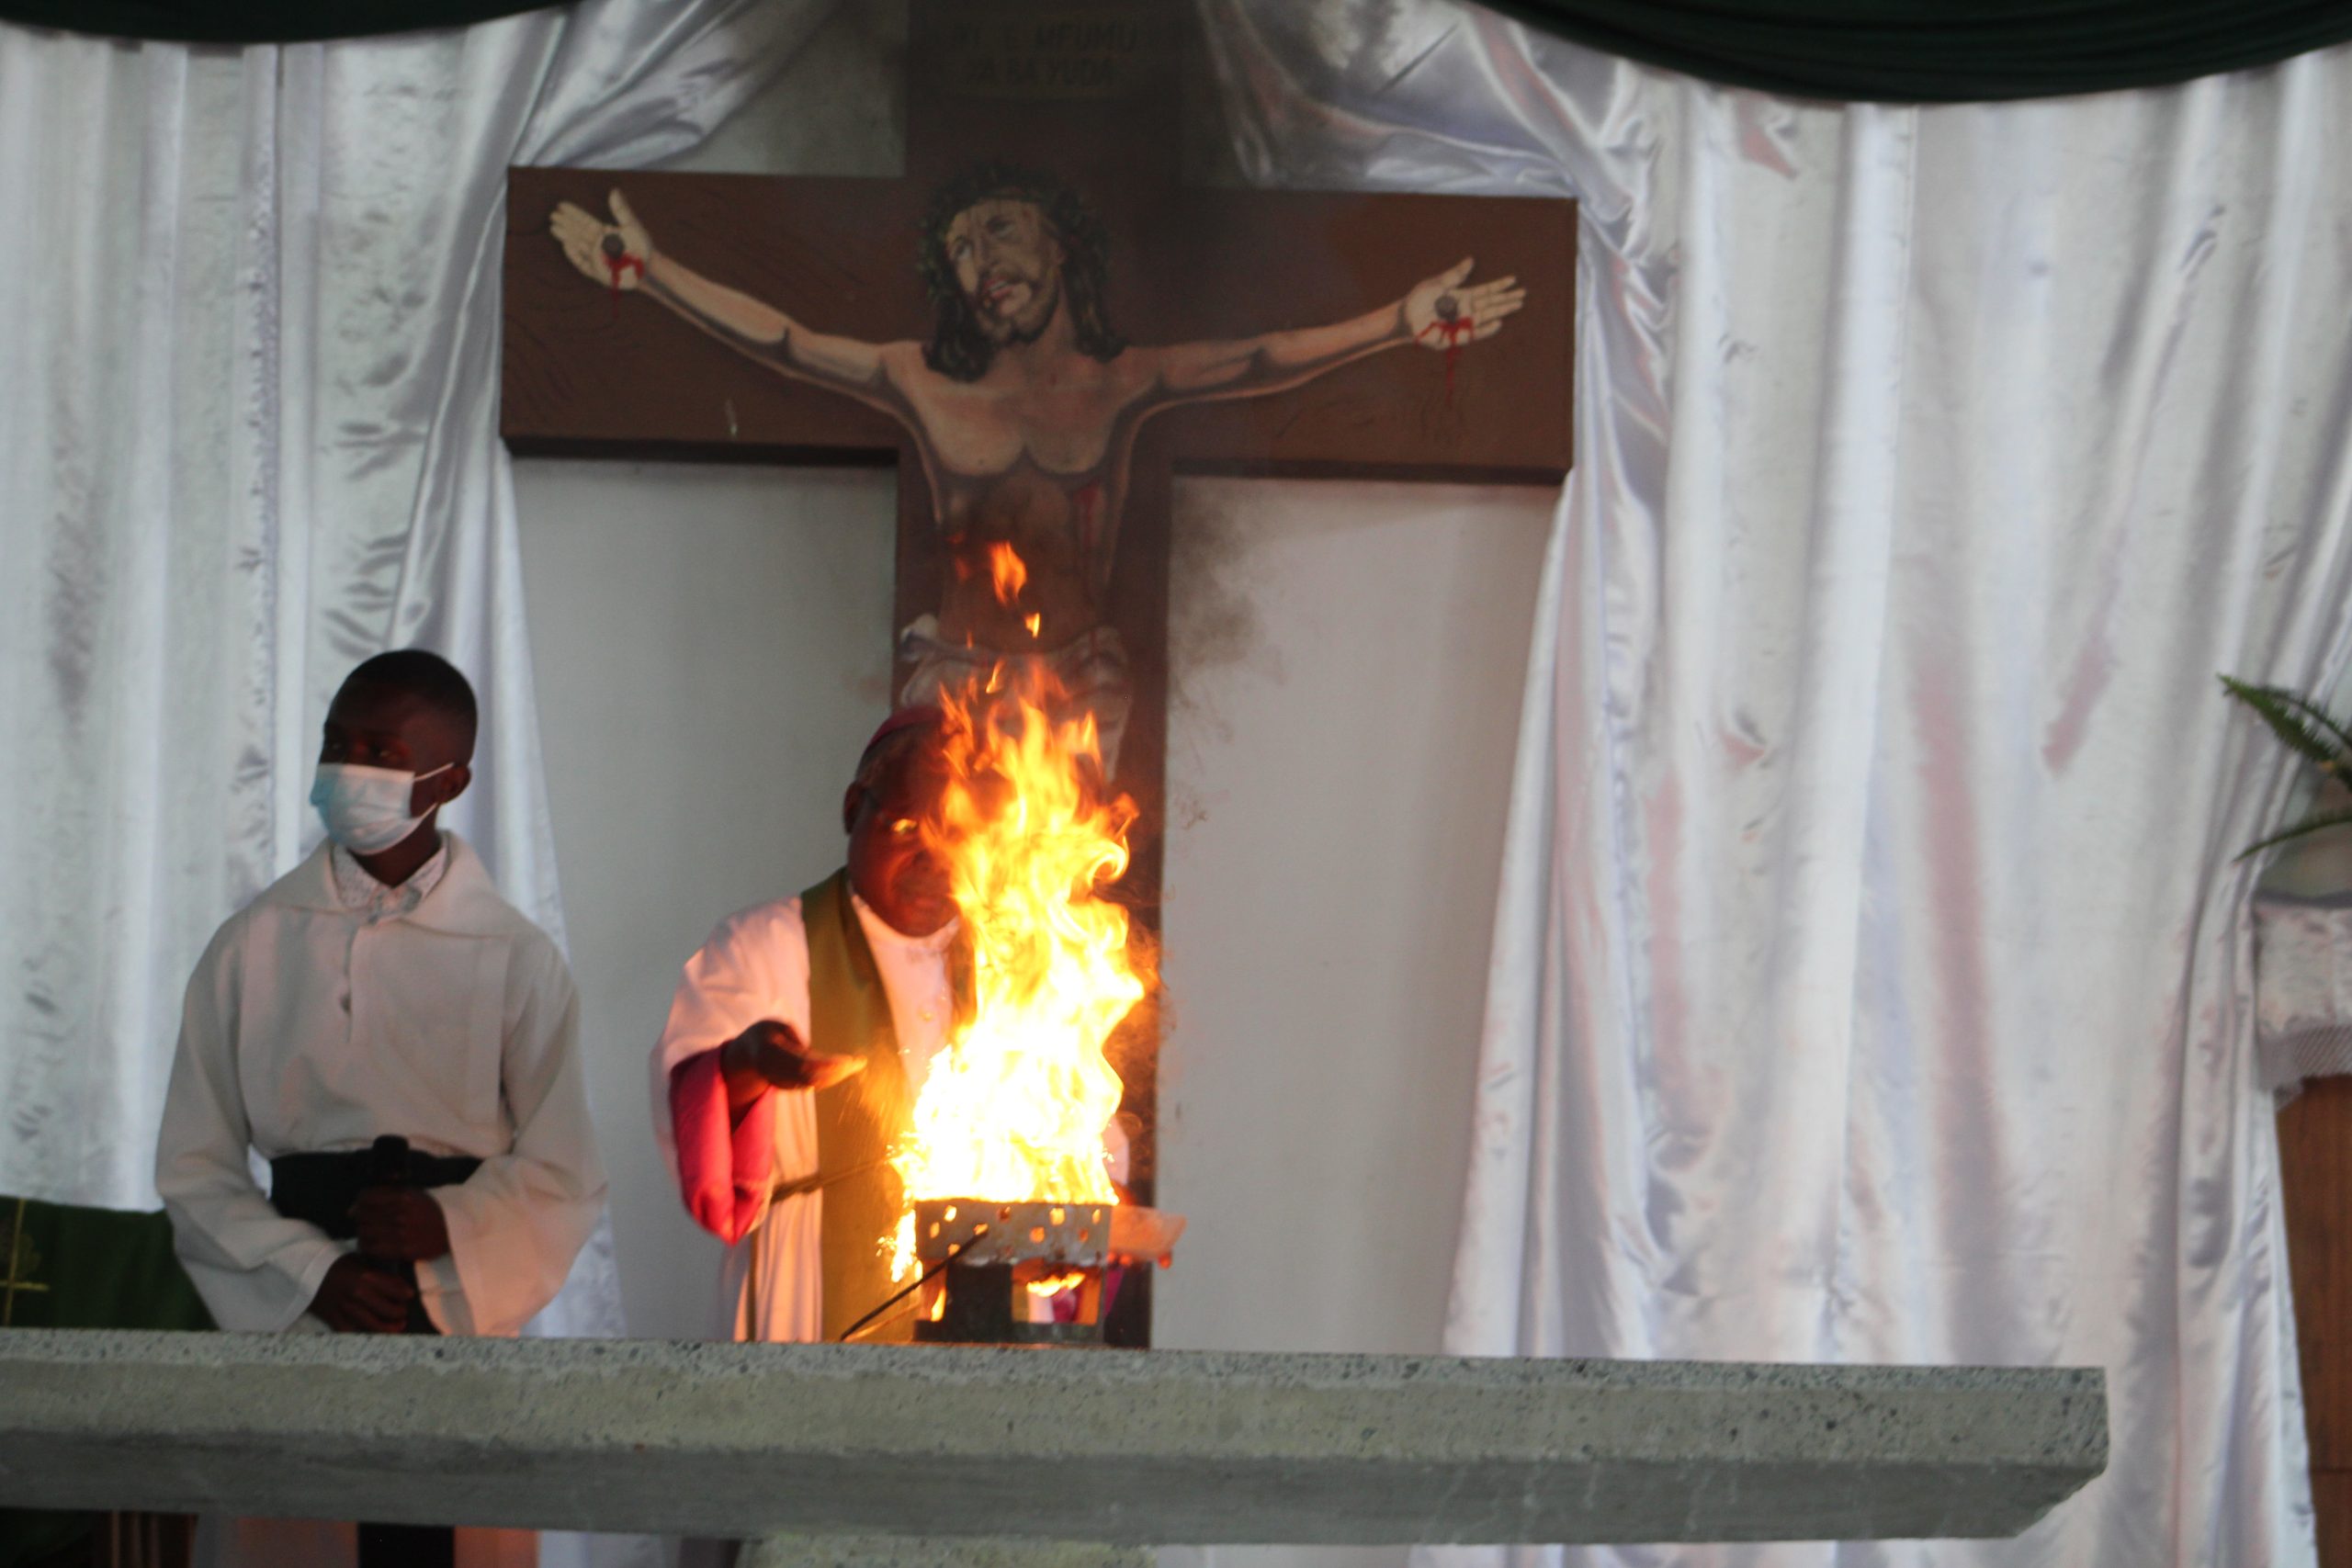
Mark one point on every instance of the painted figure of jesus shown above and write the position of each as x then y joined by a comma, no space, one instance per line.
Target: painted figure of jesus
1024,405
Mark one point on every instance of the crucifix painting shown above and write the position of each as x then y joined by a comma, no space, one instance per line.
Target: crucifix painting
1023,404
1041,326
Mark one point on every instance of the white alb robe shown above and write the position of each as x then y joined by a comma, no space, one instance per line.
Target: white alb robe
308,1028
755,966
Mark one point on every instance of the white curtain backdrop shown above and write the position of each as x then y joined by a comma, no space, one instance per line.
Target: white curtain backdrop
1870,980
247,438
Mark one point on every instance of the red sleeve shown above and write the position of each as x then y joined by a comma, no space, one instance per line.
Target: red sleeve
725,1168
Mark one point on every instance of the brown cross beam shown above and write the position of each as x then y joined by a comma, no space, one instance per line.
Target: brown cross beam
1040,325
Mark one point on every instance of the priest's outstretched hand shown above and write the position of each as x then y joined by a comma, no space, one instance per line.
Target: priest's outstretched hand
768,1055
400,1225
357,1297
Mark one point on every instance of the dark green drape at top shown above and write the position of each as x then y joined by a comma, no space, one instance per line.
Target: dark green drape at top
1944,51
255,21
1895,50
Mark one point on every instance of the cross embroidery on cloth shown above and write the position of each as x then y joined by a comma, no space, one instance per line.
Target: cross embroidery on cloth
23,1262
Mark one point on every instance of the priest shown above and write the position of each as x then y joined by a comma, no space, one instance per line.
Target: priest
400,1046
797,1039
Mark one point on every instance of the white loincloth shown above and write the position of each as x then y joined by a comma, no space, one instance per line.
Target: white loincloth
1092,670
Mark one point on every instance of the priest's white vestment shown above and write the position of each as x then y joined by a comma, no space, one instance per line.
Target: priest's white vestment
755,967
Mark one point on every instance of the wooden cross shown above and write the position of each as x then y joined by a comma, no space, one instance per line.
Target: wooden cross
967,322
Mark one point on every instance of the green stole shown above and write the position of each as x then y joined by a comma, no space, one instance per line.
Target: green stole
64,1266
857,1119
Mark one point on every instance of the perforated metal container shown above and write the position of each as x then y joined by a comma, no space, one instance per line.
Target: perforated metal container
974,1232
1012,1273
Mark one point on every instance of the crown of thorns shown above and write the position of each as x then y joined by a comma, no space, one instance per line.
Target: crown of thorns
1085,243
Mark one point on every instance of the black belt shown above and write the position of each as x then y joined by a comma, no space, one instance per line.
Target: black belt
320,1189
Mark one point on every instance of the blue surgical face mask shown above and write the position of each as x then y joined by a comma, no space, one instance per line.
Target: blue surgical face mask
367,809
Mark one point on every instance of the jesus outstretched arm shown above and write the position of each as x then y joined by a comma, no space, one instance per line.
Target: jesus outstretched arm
1438,312
621,253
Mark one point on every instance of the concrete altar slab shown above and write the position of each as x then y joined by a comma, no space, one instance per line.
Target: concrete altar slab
1120,1447
935,1551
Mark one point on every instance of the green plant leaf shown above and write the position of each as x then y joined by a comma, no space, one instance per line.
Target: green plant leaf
2308,825
2321,716
2284,712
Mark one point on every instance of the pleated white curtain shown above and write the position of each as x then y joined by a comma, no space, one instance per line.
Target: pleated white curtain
1871,978
247,438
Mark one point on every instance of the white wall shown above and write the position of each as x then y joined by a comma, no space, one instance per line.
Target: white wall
712,646
1350,661
711,650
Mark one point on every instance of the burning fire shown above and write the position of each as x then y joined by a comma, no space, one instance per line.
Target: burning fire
1015,1105
1008,572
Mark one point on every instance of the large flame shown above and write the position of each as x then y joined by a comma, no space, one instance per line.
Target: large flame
1006,572
1015,1105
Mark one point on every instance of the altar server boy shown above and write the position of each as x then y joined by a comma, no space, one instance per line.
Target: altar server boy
399,1044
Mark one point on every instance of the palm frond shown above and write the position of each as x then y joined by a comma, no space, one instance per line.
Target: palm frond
2321,716
2324,743
2308,825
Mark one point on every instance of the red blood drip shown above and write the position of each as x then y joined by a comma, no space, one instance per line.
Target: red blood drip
1455,332
617,266
1088,498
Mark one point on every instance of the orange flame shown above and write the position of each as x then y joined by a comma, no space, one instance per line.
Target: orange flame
1016,1106
1010,572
